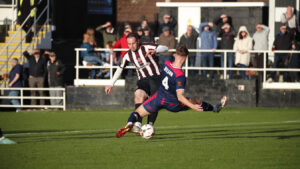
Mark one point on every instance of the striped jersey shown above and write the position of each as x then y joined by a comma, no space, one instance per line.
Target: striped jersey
146,66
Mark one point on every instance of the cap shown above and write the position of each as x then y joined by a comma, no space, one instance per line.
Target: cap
165,28
139,28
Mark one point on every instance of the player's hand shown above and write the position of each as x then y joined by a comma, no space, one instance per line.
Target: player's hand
197,107
108,89
150,52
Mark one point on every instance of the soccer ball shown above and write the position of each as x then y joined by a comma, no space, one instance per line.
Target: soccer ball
147,131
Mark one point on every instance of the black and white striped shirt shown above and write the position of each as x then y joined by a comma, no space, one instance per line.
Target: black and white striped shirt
146,66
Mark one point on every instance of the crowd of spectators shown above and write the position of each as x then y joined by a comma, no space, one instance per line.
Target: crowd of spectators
41,70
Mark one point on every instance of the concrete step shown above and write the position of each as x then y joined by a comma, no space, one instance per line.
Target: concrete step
18,33
9,62
18,39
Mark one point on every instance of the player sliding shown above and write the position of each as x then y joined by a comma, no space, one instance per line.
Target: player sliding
170,94
147,67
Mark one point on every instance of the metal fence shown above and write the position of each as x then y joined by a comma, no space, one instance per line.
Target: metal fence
265,69
22,97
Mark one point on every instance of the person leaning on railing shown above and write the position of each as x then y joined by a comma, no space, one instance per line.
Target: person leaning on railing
37,73
15,80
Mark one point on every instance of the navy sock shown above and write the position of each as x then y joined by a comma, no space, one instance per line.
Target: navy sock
137,106
207,106
134,116
152,118
1,133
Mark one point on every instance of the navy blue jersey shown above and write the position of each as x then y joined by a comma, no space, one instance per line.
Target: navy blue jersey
172,79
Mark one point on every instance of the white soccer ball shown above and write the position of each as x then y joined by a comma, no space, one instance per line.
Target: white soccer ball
147,131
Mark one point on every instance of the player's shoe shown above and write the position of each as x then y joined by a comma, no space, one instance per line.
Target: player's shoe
123,131
136,129
4,140
222,104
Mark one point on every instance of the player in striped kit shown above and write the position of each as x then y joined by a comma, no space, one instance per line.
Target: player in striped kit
148,71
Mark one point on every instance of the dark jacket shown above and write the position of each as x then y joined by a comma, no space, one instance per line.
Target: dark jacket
189,42
227,40
147,39
171,24
36,69
55,80
283,41
219,23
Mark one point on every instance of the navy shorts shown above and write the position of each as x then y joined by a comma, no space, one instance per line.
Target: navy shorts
157,102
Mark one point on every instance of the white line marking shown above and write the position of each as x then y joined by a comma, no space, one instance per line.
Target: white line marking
161,127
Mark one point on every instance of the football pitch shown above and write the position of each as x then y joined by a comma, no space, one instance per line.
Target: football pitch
258,138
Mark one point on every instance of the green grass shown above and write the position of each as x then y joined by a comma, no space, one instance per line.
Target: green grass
233,139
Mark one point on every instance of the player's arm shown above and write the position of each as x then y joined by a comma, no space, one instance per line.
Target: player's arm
157,49
117,74
185,101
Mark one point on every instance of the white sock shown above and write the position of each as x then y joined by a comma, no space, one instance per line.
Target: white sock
138,124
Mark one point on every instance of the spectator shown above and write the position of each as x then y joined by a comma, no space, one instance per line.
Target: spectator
89,55
169,22
293,62
90,32
108,33
242,45
227,41
105,56
147,37
208,41
289,19
122,43
139,32
15,80
220,22
144,23
166,39
37,73
189,40
56,71
283,41
260,39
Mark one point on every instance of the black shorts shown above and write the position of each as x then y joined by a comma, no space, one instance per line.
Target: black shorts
149,84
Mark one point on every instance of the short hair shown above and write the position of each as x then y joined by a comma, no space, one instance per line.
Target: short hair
182,51
15,59
133,35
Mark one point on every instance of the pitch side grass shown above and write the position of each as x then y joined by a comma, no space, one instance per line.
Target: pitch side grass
233,139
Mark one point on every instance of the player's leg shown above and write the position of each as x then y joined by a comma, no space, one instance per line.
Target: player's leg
149,106
154,83
139,97
140,112
209,107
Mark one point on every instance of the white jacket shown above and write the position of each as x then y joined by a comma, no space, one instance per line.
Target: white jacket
245,45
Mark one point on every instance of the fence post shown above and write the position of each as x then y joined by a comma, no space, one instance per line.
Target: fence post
64,99
111,66
186,67
77,64
21,94
225,65
265,65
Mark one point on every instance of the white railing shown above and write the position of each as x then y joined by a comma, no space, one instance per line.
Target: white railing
21,97
186,67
